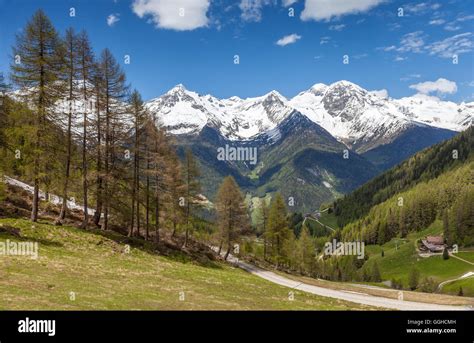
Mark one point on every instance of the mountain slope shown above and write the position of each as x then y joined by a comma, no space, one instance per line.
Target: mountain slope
410,141
145,278
423,166
360,119
297,158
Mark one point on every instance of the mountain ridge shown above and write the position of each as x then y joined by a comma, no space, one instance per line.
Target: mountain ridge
360,119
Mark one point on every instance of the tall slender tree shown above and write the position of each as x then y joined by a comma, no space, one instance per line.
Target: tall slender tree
98,95
115,92
86,68
278,230
37,68
71,76
139,117
263,216
193,187
232,216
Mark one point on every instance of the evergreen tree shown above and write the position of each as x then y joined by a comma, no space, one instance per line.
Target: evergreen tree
413,279
139,116
263,217
193,187
71,70
85,71
39,59
445,254
446,232
307,250
278,227
376,277
232,217
176,193
114,93
98,94
3,110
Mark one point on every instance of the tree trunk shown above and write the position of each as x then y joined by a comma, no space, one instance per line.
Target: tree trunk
62,214
227,252
157,219
98,209
84,163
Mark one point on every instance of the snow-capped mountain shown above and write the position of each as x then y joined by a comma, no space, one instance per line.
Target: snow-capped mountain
184,112
359,118
435,112
351,113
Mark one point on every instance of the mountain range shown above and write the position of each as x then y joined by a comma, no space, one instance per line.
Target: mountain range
316,146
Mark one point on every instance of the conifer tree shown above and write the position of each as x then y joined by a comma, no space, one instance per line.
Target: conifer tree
139,116
176,193
263,216
114,93
376,277
85,71
38,61
232,217
278,227
71,62
307,250
193,187
98,94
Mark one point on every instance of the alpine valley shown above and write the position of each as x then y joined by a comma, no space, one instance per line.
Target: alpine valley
322,143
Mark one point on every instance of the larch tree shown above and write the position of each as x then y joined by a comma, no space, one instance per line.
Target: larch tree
99,135
176,190
114,93
232,216
306,250
139,116
193,188
86,70
37,68
263,217
71,70
278,227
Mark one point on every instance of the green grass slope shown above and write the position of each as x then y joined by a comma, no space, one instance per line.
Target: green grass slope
97,268
400,257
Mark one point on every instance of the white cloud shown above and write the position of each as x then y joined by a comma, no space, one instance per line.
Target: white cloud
400,59
421,8
179,15
112,19
252,9
324,40
410,77
387,48
454,45
290,39
329,9
382,93
338,27
452,27
465,18
412,42
440,86
437,22
287,3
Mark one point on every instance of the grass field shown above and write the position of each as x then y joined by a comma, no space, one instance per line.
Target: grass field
102,275
467,286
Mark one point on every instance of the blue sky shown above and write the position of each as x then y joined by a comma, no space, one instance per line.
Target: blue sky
194,42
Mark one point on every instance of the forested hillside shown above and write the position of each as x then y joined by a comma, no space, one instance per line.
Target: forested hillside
423,166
